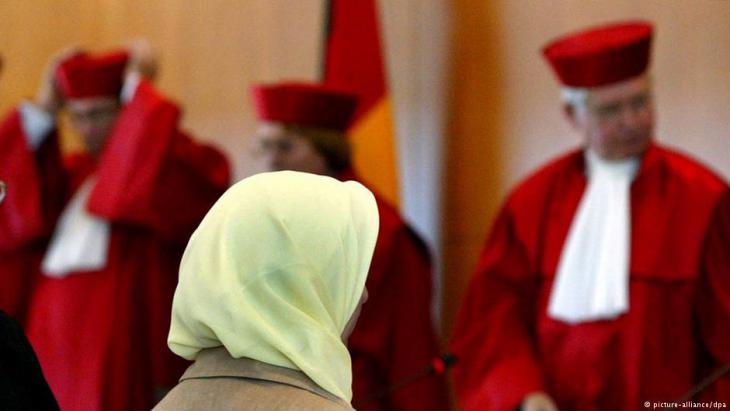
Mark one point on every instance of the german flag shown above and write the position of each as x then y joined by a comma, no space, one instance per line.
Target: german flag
353,61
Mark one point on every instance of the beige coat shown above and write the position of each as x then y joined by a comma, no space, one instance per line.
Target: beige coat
218,382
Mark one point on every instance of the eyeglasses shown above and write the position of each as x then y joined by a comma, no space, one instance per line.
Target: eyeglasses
636,103
94,115
267,146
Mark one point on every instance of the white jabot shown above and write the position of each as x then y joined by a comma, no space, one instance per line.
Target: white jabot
592,276
80,241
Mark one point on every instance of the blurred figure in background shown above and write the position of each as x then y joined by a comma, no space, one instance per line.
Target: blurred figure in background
270,285
22,386
96,237
605,281
303,127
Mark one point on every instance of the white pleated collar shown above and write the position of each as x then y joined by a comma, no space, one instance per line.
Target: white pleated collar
591,281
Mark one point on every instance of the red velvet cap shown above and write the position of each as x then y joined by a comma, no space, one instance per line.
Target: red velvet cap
302,104
84,75
601,55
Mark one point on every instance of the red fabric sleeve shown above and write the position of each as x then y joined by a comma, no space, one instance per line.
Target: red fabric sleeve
494,333
36,186
36,190
152,175
713,301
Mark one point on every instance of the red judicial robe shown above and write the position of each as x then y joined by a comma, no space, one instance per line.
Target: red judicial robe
394,337
35,198
101,335
677,328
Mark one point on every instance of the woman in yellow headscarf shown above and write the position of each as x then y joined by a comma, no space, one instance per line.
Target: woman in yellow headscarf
269,284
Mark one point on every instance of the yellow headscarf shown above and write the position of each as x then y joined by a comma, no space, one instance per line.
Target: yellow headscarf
275,271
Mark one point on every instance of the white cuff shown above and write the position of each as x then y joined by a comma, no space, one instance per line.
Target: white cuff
131,82
36,123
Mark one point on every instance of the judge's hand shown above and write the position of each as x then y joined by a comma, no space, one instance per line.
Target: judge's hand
48,97
143,60
538,401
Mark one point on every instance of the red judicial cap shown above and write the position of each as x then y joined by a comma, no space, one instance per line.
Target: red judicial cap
601,55
84,75
303,104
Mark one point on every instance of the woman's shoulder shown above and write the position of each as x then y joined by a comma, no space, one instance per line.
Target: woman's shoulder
216,381
239,393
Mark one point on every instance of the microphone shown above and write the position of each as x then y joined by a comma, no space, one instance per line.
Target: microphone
438,366
706,382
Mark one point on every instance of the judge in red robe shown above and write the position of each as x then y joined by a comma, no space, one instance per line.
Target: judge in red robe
605,282
303,128
95,239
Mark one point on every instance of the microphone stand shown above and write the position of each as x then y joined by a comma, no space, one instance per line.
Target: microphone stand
439,365
706,382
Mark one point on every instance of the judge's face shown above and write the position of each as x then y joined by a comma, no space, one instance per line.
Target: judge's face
617,120
278,148
93,118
